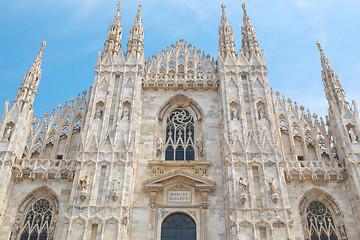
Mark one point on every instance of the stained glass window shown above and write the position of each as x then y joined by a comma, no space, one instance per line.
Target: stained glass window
180,136
37,221
178,226
320,222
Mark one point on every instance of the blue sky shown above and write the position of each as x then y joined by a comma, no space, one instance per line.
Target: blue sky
75,30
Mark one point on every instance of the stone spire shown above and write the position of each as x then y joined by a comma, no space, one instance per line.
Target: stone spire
112,44
226,38
28,88
250,44
136,38
333,89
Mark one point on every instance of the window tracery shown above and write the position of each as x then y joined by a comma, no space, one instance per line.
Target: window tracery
180,136
38,223
320,222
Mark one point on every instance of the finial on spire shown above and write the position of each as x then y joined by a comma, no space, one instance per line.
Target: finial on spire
319,46
244,7
118,6
37,62
139,8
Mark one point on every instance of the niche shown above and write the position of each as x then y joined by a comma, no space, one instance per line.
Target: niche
99,112
8,131
234,111
352,133
260,106
125,115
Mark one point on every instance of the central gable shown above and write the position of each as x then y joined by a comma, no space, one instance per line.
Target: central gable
180,66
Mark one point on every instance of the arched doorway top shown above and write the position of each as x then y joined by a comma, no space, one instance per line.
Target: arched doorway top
179,226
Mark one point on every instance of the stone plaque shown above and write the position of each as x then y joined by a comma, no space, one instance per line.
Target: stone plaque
179,196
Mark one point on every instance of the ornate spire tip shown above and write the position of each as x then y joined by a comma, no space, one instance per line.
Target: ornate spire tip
244,6
118,6
319,46
223,7
43,45
139,7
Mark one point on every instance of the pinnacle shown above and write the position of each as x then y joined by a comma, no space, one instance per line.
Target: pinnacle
319,46
37,62
117,16
223,8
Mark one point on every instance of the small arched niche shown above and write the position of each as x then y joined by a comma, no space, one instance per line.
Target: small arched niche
99,110
261,112
234,110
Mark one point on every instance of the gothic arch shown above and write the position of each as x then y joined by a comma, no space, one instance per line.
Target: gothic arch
42,205
317,195
184,101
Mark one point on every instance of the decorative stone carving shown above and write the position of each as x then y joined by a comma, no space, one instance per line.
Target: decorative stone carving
125,220
234,114
243,183
261,112
352,135
15,229
126,113
83,184
343,232
99,110
8,131
200,145
115,189
273,190
159,145
52,230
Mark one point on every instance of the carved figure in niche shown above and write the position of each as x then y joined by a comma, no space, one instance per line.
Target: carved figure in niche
342,231
126,113
159,145
8,132
52,230
273,190
99,112
261,112
83,182
243,183
352,135
273,186
15,229
115,188
125,220
200,145
234,115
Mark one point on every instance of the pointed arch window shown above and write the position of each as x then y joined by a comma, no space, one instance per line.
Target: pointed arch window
37,224
180,136
320,222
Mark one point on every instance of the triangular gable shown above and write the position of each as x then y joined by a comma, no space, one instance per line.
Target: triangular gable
197,181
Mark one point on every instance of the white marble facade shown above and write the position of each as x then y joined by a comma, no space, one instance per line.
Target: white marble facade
180,133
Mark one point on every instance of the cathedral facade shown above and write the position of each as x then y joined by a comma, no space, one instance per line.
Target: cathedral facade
180,146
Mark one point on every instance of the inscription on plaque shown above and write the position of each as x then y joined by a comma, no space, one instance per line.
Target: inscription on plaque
179,196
